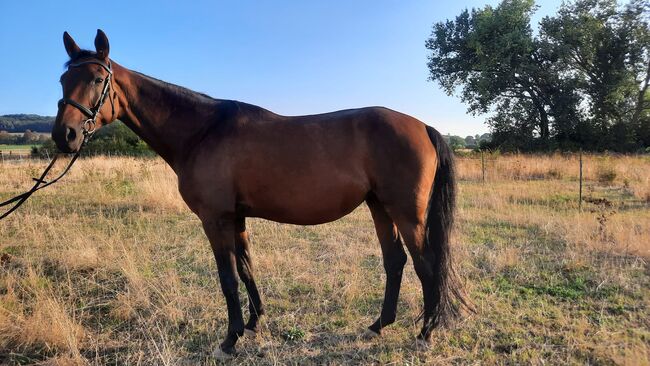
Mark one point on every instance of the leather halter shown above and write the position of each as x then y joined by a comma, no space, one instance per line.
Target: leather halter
88,127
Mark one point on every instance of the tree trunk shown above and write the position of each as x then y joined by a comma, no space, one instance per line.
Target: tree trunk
539,105
544,130
641,99
543,117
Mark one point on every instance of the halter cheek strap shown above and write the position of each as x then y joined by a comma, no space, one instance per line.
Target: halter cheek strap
88,127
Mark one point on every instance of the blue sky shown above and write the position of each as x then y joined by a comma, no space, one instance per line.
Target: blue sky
292,57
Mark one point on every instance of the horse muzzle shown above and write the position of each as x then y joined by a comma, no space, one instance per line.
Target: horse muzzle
68,138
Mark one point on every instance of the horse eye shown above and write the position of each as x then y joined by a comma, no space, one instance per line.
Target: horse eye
98,80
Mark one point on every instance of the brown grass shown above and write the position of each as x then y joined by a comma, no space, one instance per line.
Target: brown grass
110,267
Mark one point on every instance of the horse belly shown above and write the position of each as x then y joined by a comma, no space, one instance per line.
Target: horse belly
305,202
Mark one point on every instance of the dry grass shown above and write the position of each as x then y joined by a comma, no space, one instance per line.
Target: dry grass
629,171
109,267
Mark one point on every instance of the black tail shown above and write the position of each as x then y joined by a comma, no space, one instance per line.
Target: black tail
447,294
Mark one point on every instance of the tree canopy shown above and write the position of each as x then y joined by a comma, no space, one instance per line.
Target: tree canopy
580,82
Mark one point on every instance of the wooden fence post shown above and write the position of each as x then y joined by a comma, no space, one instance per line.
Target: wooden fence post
483,165
580,192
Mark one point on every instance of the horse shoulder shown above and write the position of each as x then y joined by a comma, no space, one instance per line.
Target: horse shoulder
205,179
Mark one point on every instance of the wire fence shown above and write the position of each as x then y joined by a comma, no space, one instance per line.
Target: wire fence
491,168
628,174
487,167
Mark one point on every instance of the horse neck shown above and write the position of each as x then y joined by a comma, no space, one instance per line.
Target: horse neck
165,116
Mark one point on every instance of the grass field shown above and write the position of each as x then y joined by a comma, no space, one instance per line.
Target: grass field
110,267
16,149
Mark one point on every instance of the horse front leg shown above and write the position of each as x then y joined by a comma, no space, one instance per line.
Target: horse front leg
221,233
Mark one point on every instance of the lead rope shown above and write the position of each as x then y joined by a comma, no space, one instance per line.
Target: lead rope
88,128
41,182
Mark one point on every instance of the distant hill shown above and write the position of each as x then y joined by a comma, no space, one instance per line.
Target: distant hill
24,122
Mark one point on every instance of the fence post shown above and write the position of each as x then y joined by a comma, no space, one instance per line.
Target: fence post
483,165
580,192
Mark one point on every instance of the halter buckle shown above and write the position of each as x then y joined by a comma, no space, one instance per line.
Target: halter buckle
89,122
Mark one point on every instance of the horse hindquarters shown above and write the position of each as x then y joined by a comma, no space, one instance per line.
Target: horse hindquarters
420,200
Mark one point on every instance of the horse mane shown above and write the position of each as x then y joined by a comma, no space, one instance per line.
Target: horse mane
177,89
198,97
83,54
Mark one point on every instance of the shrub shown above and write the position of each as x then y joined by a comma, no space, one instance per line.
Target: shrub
555,173
114,139
606,174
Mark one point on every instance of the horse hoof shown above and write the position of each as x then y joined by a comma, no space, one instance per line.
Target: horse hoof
369,334
250,333
421,344
220,355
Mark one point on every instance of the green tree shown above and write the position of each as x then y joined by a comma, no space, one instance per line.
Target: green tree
582,82
6,138
456,142
114,139
608,49
29,137
470,142
491,53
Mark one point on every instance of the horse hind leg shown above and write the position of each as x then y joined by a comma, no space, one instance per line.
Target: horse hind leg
394,259
245,270
436,308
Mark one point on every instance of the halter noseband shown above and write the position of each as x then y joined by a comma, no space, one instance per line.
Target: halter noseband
88,127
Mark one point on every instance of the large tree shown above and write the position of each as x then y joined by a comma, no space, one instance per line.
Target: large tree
581,82
608,49
492,56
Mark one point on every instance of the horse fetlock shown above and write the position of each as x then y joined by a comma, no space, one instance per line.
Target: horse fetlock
224,354
422,344
250,332
369,333
234,334
252,325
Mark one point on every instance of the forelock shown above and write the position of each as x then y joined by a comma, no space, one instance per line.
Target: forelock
81,55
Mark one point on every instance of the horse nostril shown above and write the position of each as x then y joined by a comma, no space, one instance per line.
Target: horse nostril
72,134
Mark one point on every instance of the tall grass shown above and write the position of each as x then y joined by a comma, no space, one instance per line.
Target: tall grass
110,267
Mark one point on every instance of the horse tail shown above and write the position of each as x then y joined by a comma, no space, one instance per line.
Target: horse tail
447,295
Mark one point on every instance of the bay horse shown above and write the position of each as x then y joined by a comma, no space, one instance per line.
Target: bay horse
236,160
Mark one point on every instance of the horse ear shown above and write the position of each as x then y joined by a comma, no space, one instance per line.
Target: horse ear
101,44
70,46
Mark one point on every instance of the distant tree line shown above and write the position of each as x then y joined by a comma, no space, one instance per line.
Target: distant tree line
475,142
113,139
22,122
580,82
26,138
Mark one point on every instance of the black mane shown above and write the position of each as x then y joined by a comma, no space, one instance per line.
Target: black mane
198,97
